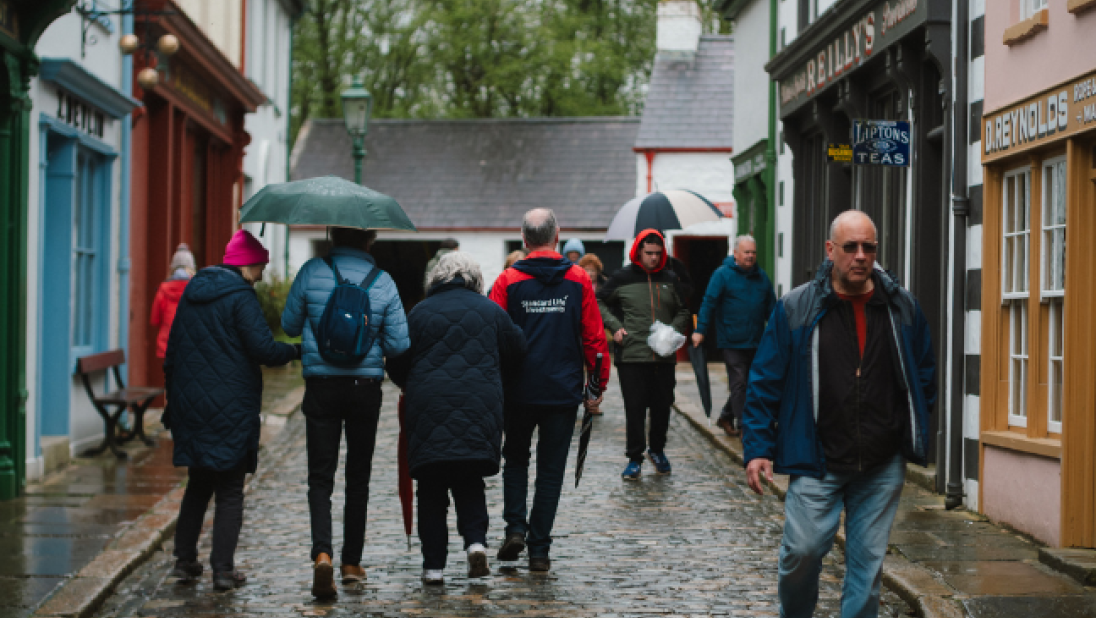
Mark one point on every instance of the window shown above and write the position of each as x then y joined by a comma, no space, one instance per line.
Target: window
781,192
1031,7
1016,222
1053,283
86,251
780,244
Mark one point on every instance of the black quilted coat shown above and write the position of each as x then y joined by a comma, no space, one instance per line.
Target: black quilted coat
452,376
214,384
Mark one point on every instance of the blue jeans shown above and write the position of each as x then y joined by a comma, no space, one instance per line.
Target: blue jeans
812,513
555,426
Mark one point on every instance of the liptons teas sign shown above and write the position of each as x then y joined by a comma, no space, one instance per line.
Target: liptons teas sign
1050,116
852,46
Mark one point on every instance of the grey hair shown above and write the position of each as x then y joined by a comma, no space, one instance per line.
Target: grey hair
539,227
848,214
740,239
457,264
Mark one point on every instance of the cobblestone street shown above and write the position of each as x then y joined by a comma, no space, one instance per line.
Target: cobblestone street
695,543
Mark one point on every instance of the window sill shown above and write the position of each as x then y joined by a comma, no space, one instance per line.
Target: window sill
1079,6
1028,28
1045,447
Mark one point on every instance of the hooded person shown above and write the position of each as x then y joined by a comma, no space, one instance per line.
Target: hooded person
552,301
169,294
573,250
214,392
631,301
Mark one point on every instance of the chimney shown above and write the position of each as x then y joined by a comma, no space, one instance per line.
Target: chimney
679,28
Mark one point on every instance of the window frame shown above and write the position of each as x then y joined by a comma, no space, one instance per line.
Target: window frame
1029,8
1008,292
1045,247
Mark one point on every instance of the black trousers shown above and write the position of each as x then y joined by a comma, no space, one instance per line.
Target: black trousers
330,404
738,377
228,517
646,386
471,504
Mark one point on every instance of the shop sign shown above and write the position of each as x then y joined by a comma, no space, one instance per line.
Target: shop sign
749,167
839,153
881,142
9,20
76,113
852,46
192,88
1050,116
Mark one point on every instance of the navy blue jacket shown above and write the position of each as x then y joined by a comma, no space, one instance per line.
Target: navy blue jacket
461,344
552,300
214,383
780,421
741,301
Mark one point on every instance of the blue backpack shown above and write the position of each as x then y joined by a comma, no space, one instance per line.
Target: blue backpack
343,334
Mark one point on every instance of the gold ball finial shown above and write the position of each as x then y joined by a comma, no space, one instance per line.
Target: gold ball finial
129,43
168,45
148,78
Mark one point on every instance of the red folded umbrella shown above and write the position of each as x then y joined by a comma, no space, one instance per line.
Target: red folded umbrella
407,496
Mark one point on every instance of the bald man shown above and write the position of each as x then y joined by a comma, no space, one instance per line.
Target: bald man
845,364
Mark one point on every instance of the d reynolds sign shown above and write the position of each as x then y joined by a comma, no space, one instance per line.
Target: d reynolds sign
1052,115
850,47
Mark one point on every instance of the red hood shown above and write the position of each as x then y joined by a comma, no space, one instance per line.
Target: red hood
634,253
173,290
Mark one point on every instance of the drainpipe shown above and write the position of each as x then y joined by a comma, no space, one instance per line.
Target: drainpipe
123,201
771,150
960,209
288,129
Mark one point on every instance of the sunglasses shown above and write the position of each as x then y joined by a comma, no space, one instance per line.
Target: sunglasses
868,248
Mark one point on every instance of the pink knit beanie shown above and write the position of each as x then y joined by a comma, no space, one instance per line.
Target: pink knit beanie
245,250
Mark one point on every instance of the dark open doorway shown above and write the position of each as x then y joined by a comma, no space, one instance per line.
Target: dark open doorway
701,255
405,261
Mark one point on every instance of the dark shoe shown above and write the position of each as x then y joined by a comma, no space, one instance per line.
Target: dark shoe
323,578
352,573
632,471
540,563
512,546
227,580
662,465
477,561
187,569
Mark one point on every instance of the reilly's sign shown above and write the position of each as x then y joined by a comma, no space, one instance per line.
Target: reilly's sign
851,46
1052,115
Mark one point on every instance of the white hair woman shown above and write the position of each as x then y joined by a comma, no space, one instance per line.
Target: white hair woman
461,344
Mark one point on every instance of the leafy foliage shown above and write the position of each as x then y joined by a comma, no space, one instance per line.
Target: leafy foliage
477,58
272,295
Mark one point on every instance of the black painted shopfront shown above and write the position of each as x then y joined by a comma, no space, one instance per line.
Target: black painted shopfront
871,59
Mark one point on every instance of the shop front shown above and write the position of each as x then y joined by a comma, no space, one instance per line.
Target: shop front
753,196
874,60
188,150
21,24
1038,429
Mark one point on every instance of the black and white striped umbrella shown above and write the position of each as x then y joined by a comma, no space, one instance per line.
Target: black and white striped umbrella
661,210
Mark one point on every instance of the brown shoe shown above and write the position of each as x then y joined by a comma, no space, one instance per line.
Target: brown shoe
323,578
352,573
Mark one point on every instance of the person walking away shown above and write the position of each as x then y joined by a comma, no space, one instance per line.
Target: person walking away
461,346
573,250
340,396
169,294
448,245
839,398
737,304
633,299
552,301
214,390
594,269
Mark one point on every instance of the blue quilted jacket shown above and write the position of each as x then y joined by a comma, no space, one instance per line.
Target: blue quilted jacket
736,305
214,384
308,297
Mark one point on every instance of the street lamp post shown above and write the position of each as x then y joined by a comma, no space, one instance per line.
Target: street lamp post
357,106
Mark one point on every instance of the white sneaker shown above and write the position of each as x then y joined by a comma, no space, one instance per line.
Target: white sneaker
477,561
433,577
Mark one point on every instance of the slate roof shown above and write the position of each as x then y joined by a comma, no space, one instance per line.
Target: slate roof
690,100
484,174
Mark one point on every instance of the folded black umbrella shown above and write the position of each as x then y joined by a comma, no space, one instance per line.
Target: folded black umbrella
703,382
593,391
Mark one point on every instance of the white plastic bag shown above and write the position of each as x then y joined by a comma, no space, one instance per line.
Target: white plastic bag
664,340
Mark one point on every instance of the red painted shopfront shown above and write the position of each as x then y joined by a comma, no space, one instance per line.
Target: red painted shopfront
188,148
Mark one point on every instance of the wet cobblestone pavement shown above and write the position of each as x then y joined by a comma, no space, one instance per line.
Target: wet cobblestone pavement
694,543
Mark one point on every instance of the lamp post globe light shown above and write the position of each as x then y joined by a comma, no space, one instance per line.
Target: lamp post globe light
357,105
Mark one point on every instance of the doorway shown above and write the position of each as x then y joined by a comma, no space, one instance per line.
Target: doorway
702,255
405,261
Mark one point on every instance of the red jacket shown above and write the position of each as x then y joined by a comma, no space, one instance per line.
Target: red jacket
553,302
163,311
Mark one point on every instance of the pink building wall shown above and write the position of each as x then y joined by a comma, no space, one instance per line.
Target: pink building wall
1065,50
1024,491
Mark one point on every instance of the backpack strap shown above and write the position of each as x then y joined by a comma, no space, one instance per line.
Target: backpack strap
371,278
338,276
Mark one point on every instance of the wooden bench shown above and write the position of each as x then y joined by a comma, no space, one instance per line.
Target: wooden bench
135,399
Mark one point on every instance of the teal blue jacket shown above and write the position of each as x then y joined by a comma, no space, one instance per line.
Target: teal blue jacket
736,305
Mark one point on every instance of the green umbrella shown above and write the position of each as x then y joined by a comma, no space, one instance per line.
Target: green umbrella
327,200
